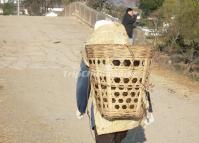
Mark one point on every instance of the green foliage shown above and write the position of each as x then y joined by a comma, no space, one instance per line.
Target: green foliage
8,8
149,6
182,36
183,17
188,20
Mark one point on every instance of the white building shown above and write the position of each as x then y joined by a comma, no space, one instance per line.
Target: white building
3,1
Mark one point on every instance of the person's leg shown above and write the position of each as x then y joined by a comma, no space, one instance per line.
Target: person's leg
119,136
110,138
106,138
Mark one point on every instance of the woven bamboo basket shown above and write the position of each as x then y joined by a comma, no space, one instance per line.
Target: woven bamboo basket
118,75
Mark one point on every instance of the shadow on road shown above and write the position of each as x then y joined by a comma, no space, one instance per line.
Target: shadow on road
136,135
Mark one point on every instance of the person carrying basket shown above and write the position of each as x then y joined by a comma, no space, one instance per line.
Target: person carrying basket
106,77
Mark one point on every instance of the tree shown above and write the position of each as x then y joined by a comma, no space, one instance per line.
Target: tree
107,7
182,37
149,6
39,7
8,8
188,20
96,4
34,6
183,17
67,1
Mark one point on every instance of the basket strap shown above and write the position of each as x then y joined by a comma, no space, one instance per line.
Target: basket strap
131,52
146,86
84,57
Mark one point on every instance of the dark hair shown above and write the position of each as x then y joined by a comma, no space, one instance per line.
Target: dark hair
129,9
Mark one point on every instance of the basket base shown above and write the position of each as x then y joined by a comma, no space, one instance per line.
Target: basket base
126,117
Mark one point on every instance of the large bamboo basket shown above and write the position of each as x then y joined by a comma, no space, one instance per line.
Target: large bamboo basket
118,78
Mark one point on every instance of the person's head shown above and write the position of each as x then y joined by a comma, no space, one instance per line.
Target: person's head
129,11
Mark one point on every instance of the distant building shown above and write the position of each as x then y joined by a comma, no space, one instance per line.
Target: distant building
3,1
6,1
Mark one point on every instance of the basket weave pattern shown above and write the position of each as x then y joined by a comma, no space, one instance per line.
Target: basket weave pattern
118,78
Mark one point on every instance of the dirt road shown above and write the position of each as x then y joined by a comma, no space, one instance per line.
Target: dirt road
39,58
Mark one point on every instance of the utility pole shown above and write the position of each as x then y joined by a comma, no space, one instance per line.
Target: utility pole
18,7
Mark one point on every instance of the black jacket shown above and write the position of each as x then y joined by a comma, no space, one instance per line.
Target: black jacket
128,22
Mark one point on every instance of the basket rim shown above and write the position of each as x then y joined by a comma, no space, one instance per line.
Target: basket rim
136,45
137,48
